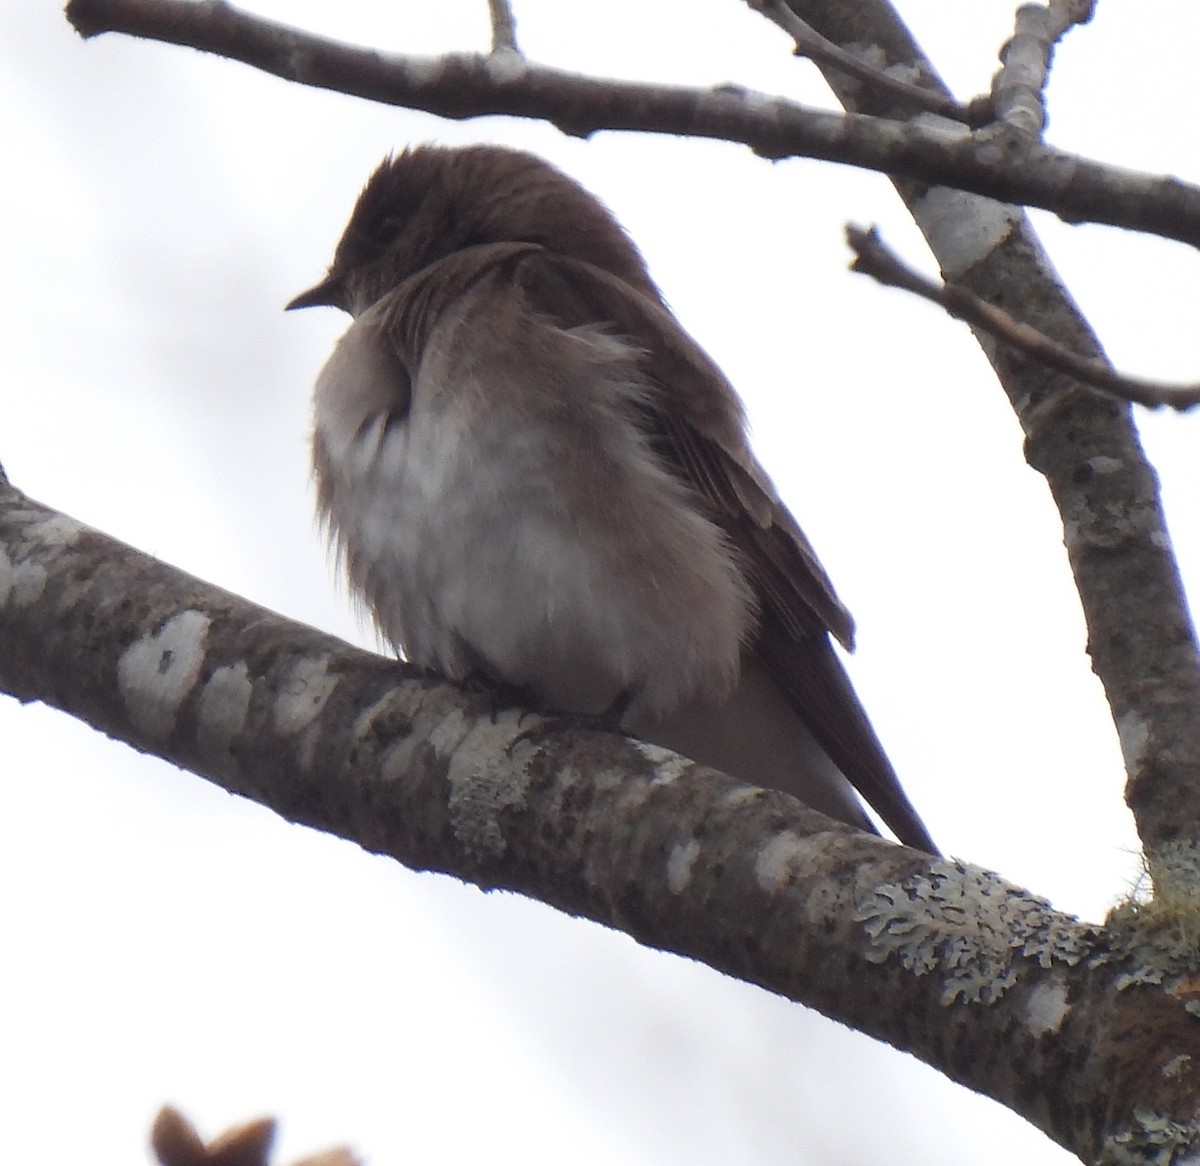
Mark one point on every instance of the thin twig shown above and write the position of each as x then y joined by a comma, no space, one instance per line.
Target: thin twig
1065,13
504,27
1019,88
811,44
464,86
874,258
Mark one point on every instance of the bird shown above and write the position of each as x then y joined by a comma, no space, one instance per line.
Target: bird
533,476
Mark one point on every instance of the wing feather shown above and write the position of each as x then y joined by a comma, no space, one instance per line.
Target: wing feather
698,430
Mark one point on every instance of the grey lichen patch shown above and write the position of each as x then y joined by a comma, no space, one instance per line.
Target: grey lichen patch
732,100
379,711
1152,1138
1134,734
20,583
1176,1066
1156,930
156,673
221,713
739,796
668,765
505,65
761,105
428,70
1046,1008
484,782
303,693
448,733
57,530
942,129
775,862
868,52
396,759
1096,527
969,925
387,722
680,864
1104,464
905,71
965,227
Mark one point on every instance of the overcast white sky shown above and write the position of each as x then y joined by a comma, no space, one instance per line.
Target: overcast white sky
165,941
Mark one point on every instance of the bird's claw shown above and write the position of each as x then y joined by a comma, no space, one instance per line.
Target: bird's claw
608,721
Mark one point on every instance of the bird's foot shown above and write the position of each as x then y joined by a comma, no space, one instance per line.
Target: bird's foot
500,694
607,721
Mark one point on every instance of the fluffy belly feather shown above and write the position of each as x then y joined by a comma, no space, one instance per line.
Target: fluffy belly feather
508,543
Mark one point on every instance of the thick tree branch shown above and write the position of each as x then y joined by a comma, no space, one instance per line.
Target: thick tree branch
874,258
465,86
1140,636
812,45
969,973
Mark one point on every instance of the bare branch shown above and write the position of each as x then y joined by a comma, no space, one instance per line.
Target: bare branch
504,27
915,951
465,86
1018,89
1068,12
875,258
809,43
1141,639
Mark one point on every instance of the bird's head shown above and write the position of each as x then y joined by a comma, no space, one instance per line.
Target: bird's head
430,201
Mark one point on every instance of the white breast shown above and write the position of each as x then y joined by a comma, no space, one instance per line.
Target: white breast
516,522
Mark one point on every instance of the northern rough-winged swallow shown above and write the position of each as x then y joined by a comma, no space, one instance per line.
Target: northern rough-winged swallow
535,475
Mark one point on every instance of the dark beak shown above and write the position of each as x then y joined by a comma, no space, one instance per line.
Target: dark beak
326,294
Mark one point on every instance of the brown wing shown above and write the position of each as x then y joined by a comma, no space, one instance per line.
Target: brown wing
698,428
